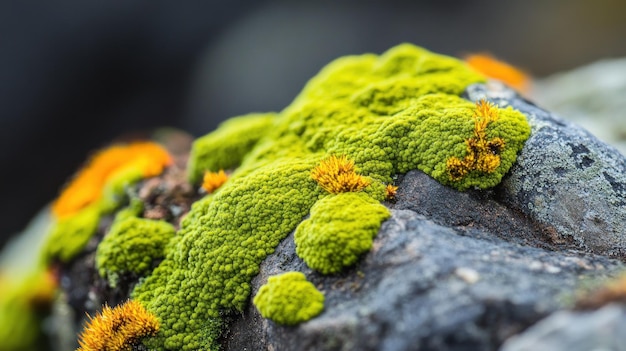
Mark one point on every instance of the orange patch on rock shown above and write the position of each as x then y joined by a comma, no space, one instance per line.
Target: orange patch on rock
500,70
87,185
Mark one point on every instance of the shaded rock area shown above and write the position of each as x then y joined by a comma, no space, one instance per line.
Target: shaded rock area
423,286
467,271
603,329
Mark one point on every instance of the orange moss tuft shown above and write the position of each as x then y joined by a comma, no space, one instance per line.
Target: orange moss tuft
337,175
118,328
482,155
496,69
86,188
213,180
390,191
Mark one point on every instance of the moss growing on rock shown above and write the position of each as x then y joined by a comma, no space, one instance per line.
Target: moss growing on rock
341,228
131,246
69,235
389,114
226,147
289,299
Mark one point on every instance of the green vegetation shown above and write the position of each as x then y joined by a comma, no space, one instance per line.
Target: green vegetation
289,299
340,229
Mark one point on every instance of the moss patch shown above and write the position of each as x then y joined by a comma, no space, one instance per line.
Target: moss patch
340,229
132,245
388,114
69,235
289,299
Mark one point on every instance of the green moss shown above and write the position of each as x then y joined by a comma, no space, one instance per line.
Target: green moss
340,229
131,246
389,114
226,147
21,312
289,299
69,235
114,192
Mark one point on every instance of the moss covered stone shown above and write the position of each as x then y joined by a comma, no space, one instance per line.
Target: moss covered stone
68,236
389,113
340,229
131,246
289,299
226,147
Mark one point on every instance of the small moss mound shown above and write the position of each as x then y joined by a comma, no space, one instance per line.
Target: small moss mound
341,228
289,299
131,246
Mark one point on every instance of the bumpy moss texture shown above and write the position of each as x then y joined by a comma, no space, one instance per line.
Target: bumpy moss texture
389,114
340,229
131,246
98,188
289,299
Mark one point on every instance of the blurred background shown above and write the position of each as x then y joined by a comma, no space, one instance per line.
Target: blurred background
76,75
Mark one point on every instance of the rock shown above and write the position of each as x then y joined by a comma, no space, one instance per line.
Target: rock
603,329
423,286
591,96
467,270
566,180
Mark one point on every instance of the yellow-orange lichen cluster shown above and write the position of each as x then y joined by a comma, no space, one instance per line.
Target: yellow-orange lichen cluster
390,191
338,175
213,180
482,155
118,328
86,188
494,68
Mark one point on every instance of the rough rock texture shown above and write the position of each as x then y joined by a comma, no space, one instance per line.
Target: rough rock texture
603,329
591,96
467,270
566,180
423,286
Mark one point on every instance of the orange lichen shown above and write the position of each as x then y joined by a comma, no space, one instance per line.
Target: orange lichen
118,328
337,175
213,180
614,291
482,155
494,68
86,188
390,191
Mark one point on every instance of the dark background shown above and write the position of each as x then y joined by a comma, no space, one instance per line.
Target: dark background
75,75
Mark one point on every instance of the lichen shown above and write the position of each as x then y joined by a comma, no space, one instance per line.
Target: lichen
388,114
147,158
490,66
289,299
97,189
341,228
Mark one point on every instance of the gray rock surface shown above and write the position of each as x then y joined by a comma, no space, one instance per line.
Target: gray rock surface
566,180
601,330
423,286
466,271
591,96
